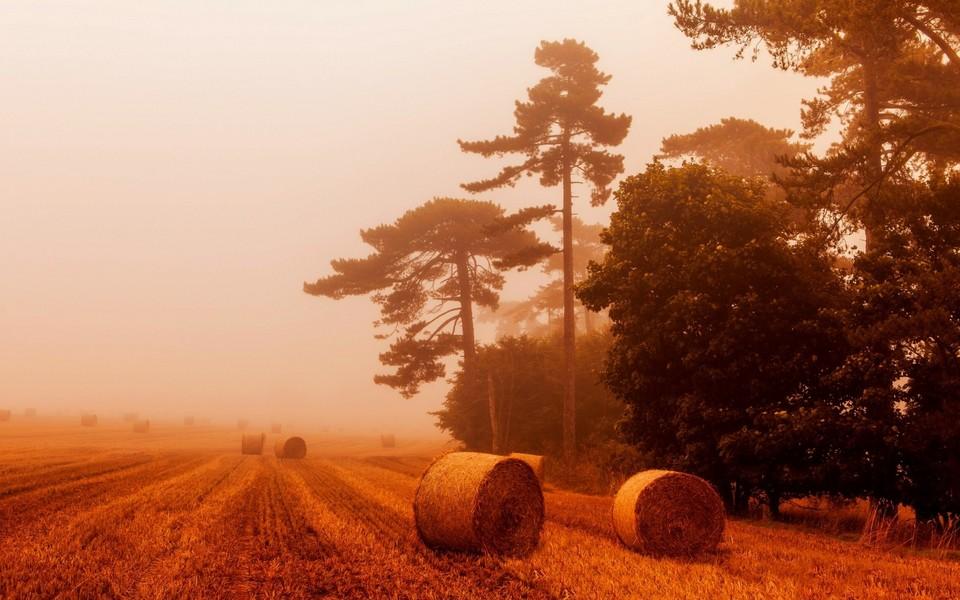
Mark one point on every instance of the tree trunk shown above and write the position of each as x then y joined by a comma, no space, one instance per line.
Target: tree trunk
469,341
569,315
494,416
874,141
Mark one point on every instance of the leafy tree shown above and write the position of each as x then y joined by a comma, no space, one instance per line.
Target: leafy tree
724,331
427,271
894,82
739,146
906,322
559,130
517,375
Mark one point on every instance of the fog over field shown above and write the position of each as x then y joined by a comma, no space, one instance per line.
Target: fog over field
171,171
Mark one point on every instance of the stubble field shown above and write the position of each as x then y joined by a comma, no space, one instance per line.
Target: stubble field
178,513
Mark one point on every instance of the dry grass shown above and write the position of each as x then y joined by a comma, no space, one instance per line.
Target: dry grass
93,513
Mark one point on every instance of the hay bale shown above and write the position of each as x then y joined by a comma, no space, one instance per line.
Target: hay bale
472,501
141,426
536,462
276,428
242,424
188,421
252,443
668,513
88,420
293,447
387,440
4,415
30,413
130,417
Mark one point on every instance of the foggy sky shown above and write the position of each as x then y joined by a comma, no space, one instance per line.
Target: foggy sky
171,171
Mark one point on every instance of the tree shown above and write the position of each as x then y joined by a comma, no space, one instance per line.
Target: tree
724,331
517,373
906,322
535,315
446,251
739,146
559,130
895,84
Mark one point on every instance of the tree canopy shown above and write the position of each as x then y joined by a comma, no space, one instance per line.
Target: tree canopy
427,270
715,315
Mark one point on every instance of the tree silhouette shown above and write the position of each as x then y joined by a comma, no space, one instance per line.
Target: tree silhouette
894,82
739,146
559,130
446,251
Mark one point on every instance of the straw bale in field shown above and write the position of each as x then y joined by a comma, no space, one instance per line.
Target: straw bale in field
4,415
292,447
141,426
479,502
88,420
130,417
388,440
242,424
252,443
535,461
188,421
668,513
276,428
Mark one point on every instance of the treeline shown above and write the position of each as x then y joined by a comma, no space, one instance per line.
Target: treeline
779,322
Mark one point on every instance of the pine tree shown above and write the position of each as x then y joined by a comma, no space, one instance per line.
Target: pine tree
559,130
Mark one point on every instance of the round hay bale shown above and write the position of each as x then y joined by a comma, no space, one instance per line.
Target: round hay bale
668,513
130,417
188,421
388,440
142,426
252,443
276,428
242,424
479,502
30,412
535,461
4,415
88,420
293,447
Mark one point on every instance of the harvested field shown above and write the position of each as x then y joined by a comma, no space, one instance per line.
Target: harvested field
101,512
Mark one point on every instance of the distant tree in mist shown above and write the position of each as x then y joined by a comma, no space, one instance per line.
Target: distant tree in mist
560,130
894,72
537,314
518,378
739,146
428,270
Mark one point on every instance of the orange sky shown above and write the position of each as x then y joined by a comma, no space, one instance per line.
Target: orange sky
171,171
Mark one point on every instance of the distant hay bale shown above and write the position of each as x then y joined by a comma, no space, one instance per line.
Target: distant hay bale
252,443
293,447
242,424
535,461
30,412
388,440
668,513
276,428
4,415
130,417
188,421
88,420
141,426
479,502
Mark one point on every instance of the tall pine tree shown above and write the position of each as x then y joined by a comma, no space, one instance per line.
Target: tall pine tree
560,130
